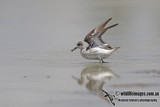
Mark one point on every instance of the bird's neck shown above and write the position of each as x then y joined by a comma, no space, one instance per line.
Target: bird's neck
81,49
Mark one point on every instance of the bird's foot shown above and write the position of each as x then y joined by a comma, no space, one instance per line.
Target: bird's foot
101,61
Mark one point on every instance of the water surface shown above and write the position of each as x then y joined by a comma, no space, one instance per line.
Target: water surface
37,68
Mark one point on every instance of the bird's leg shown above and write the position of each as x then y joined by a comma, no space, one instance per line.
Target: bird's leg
101,60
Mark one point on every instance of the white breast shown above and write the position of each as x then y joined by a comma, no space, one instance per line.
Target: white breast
95,53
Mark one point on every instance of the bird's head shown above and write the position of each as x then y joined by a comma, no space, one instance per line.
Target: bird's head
79,45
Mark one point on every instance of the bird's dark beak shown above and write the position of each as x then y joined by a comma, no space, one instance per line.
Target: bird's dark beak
74,49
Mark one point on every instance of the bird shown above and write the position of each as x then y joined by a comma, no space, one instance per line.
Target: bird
110,97
97,48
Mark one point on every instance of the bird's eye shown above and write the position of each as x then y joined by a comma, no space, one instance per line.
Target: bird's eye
78,44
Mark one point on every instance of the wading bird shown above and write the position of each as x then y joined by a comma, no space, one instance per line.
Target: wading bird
97,49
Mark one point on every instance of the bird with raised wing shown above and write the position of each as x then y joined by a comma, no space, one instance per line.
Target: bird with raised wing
97,49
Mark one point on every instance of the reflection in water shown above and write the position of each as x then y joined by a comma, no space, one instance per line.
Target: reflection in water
97,75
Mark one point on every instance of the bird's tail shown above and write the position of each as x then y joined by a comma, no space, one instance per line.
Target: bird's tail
116,48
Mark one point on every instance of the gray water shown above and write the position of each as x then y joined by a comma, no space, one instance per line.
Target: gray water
37,68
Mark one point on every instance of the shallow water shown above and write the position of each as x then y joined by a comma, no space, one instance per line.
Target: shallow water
37,68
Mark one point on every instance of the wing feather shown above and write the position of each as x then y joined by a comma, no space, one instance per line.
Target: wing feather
95,30
94,38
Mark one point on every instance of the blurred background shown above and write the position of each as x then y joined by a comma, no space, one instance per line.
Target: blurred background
40,25
36,36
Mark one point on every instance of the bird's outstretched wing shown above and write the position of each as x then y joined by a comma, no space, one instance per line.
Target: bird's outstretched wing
94,38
